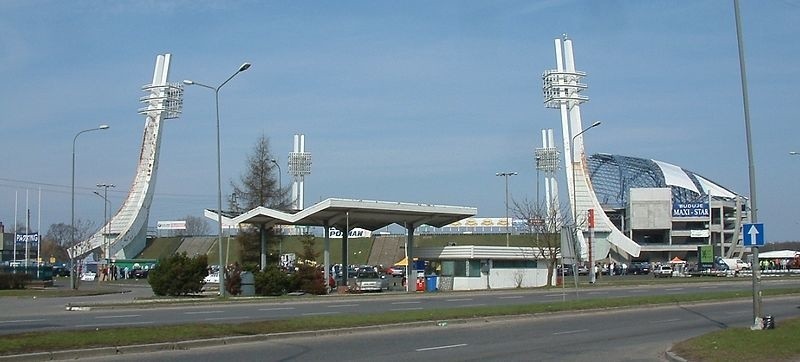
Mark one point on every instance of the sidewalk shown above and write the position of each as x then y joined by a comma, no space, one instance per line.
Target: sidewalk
119,291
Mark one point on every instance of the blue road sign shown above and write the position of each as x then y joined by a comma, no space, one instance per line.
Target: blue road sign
753,234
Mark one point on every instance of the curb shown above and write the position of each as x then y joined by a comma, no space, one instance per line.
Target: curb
671,356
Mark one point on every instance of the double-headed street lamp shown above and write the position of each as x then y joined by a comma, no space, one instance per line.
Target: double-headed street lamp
242,68
575,206
508,223
72,224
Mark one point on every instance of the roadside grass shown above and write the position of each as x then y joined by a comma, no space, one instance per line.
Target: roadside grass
108,337
743,344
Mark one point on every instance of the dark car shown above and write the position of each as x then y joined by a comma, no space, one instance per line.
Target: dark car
639,268
60,271
139,273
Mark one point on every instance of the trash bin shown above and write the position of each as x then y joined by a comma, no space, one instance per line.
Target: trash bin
420,284
248,284
430,283
768,322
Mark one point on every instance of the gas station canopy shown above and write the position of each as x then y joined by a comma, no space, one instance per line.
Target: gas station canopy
365,214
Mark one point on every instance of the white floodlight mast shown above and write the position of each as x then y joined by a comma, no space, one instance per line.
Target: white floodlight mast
299,167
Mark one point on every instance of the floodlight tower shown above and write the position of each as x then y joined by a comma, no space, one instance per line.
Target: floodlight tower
562,89
546,159
299,167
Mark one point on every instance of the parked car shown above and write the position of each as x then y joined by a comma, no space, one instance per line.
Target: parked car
60,271
662,271
212,278
639,268
369,281
139,273
397,270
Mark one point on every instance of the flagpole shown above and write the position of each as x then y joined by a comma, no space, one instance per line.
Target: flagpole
16,202
39,236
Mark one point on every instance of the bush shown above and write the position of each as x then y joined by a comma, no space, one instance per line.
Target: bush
308,279
178,275
233,279
271,281
14,280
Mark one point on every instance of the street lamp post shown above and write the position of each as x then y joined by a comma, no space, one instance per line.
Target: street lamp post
280,194
72,213
575,207
280,183
242,68
105,217
508,223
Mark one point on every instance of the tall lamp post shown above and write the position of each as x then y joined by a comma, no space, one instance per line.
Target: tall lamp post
575,206
242,68
105,187
508,224
280,193
72,213
280,183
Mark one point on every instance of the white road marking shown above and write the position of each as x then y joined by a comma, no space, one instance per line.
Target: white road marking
225,318
401,309
23,321
709,287
474,305
459,300
343,305
204,312
673,289
111,324
441,347
412,302
570,332
118,316
510,297
666,320
595,293
739,312
319,313
554,295
637,291
272,309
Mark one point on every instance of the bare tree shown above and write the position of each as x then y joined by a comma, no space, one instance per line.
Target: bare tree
61,233
543,231
196,225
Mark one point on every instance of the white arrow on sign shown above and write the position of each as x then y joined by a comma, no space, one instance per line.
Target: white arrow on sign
753,234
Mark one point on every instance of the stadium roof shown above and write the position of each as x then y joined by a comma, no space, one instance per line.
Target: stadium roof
614,175
365,214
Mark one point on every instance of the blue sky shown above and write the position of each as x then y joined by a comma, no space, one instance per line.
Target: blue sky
411,101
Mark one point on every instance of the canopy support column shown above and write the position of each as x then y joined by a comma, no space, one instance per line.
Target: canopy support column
411,273
326,256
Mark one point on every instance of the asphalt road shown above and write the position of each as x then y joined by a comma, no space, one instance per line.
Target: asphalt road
25,315
642,334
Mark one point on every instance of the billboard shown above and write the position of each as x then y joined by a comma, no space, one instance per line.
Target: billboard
690,209
32,240
171,225
333,233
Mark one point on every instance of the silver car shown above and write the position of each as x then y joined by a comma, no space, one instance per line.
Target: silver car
370,281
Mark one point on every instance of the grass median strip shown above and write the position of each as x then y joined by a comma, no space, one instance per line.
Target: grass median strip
110,337
742,344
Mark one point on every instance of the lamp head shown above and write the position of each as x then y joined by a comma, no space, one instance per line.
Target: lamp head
103,126
188,82
595,124
244,67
